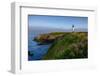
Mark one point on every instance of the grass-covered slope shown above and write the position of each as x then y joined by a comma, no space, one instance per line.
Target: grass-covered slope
68,46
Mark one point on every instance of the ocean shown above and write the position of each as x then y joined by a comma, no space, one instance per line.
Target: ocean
38,51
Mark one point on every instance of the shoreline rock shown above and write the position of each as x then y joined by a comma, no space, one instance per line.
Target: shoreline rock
48,38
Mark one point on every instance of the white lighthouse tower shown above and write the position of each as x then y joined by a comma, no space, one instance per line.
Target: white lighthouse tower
73,28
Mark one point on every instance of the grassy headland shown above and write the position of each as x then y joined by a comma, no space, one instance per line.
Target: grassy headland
65,45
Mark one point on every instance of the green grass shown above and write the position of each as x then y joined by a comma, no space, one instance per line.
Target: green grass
68,46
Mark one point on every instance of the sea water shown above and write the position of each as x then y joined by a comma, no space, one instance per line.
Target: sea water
38,51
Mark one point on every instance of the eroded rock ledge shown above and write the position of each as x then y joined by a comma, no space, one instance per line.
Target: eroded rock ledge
48,38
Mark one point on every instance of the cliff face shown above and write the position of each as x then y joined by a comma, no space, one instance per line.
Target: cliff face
65,45
48,38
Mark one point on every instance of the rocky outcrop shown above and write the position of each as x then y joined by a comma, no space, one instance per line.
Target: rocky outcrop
48,38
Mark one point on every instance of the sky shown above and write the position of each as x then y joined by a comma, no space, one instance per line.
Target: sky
64,22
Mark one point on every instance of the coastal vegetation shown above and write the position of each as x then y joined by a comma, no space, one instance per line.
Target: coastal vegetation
64,45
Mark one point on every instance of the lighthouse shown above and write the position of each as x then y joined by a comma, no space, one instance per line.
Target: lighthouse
73,29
